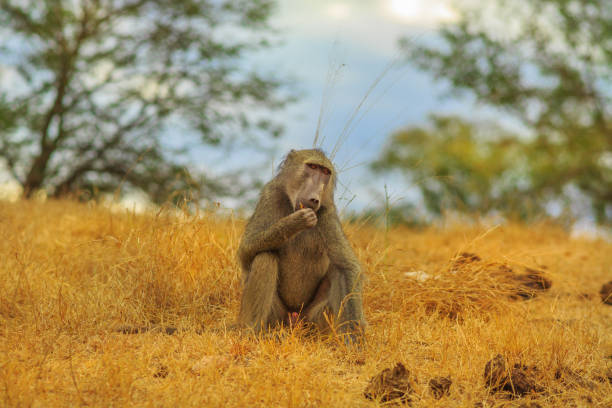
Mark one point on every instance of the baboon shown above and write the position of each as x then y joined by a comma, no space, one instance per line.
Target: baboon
295,258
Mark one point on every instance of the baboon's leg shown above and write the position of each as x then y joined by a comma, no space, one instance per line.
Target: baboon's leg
261,307
342,303
319,306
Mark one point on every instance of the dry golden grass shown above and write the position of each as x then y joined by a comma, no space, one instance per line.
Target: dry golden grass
71,273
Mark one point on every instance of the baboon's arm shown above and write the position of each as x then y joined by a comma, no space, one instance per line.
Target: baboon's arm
344,274
267,240
265,233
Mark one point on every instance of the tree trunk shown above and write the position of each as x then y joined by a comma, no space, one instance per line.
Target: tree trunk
37,173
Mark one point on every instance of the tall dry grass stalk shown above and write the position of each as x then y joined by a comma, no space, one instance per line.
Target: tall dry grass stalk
71,273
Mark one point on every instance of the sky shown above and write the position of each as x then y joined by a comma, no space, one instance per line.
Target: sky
356,44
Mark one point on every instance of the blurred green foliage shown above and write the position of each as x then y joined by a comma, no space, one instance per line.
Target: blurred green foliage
459,165
546,63
108,93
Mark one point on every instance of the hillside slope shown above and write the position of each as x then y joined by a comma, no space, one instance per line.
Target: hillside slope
442,302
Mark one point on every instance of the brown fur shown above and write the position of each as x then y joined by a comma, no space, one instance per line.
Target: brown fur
298,260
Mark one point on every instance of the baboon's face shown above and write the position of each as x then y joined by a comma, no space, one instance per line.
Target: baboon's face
315,179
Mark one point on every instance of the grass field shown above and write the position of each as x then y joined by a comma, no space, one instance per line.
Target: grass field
71,273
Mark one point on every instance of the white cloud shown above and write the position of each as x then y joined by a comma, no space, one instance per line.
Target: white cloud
339,11
375,25
420,13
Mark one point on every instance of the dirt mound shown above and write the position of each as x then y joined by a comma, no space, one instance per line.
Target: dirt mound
466,258
440,386
531,283
162,371
606,293
517,381
573,379
390,384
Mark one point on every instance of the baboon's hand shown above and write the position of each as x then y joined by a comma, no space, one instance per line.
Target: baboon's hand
305,218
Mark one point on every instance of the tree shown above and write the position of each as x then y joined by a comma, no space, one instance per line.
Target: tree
548,63
101,89
457,165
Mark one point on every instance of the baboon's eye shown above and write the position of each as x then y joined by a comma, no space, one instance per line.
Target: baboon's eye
326,171
312,166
